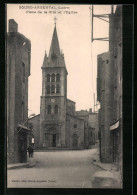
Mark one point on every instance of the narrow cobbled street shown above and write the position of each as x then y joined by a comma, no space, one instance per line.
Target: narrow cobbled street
56,169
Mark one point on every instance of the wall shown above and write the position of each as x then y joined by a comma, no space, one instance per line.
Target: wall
84,114
70,107
18,53
58,121
92,138
116,50
110,95
75,126
105,96
93,122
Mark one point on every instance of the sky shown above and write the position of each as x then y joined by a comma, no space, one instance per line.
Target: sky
74,33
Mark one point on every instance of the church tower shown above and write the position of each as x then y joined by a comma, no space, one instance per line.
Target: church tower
53,99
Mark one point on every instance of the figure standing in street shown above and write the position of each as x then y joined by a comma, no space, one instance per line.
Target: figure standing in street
30,151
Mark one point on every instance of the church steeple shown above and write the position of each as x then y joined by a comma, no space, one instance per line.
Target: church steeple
54,96
55,57
54,48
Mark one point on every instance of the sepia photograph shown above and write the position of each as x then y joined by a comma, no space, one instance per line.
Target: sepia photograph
64,94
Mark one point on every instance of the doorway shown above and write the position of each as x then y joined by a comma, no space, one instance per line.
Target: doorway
115,145
54,140
75,140
22,147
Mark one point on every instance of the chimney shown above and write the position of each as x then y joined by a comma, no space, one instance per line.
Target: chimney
13,26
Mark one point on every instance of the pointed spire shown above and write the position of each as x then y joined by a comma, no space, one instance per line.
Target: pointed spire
55,57
54,48
45,62
55,19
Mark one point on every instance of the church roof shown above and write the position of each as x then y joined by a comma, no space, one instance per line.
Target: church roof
73,116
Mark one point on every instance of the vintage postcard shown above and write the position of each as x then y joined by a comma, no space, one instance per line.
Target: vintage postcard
64,96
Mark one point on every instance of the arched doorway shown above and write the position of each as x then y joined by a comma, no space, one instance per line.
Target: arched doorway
75,140
52,137
54,140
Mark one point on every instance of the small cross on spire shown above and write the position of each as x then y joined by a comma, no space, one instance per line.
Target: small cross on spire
55,19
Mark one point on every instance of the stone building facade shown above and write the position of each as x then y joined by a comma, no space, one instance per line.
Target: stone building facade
81,128
109,92
18,71
54,97
93,122
105,97
75,132
91,126
57,126
116,47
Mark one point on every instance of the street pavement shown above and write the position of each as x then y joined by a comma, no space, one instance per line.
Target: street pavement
56,169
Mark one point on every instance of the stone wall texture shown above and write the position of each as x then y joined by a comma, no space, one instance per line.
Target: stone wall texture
18,71
109,92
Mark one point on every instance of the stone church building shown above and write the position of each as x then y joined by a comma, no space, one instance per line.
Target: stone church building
58,125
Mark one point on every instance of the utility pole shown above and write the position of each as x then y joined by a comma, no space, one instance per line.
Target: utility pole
94,102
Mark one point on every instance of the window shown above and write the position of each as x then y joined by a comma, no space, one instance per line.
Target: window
57,89
53,89
48,77
75,126
48,89
53,78
49,109
58,77
56,109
